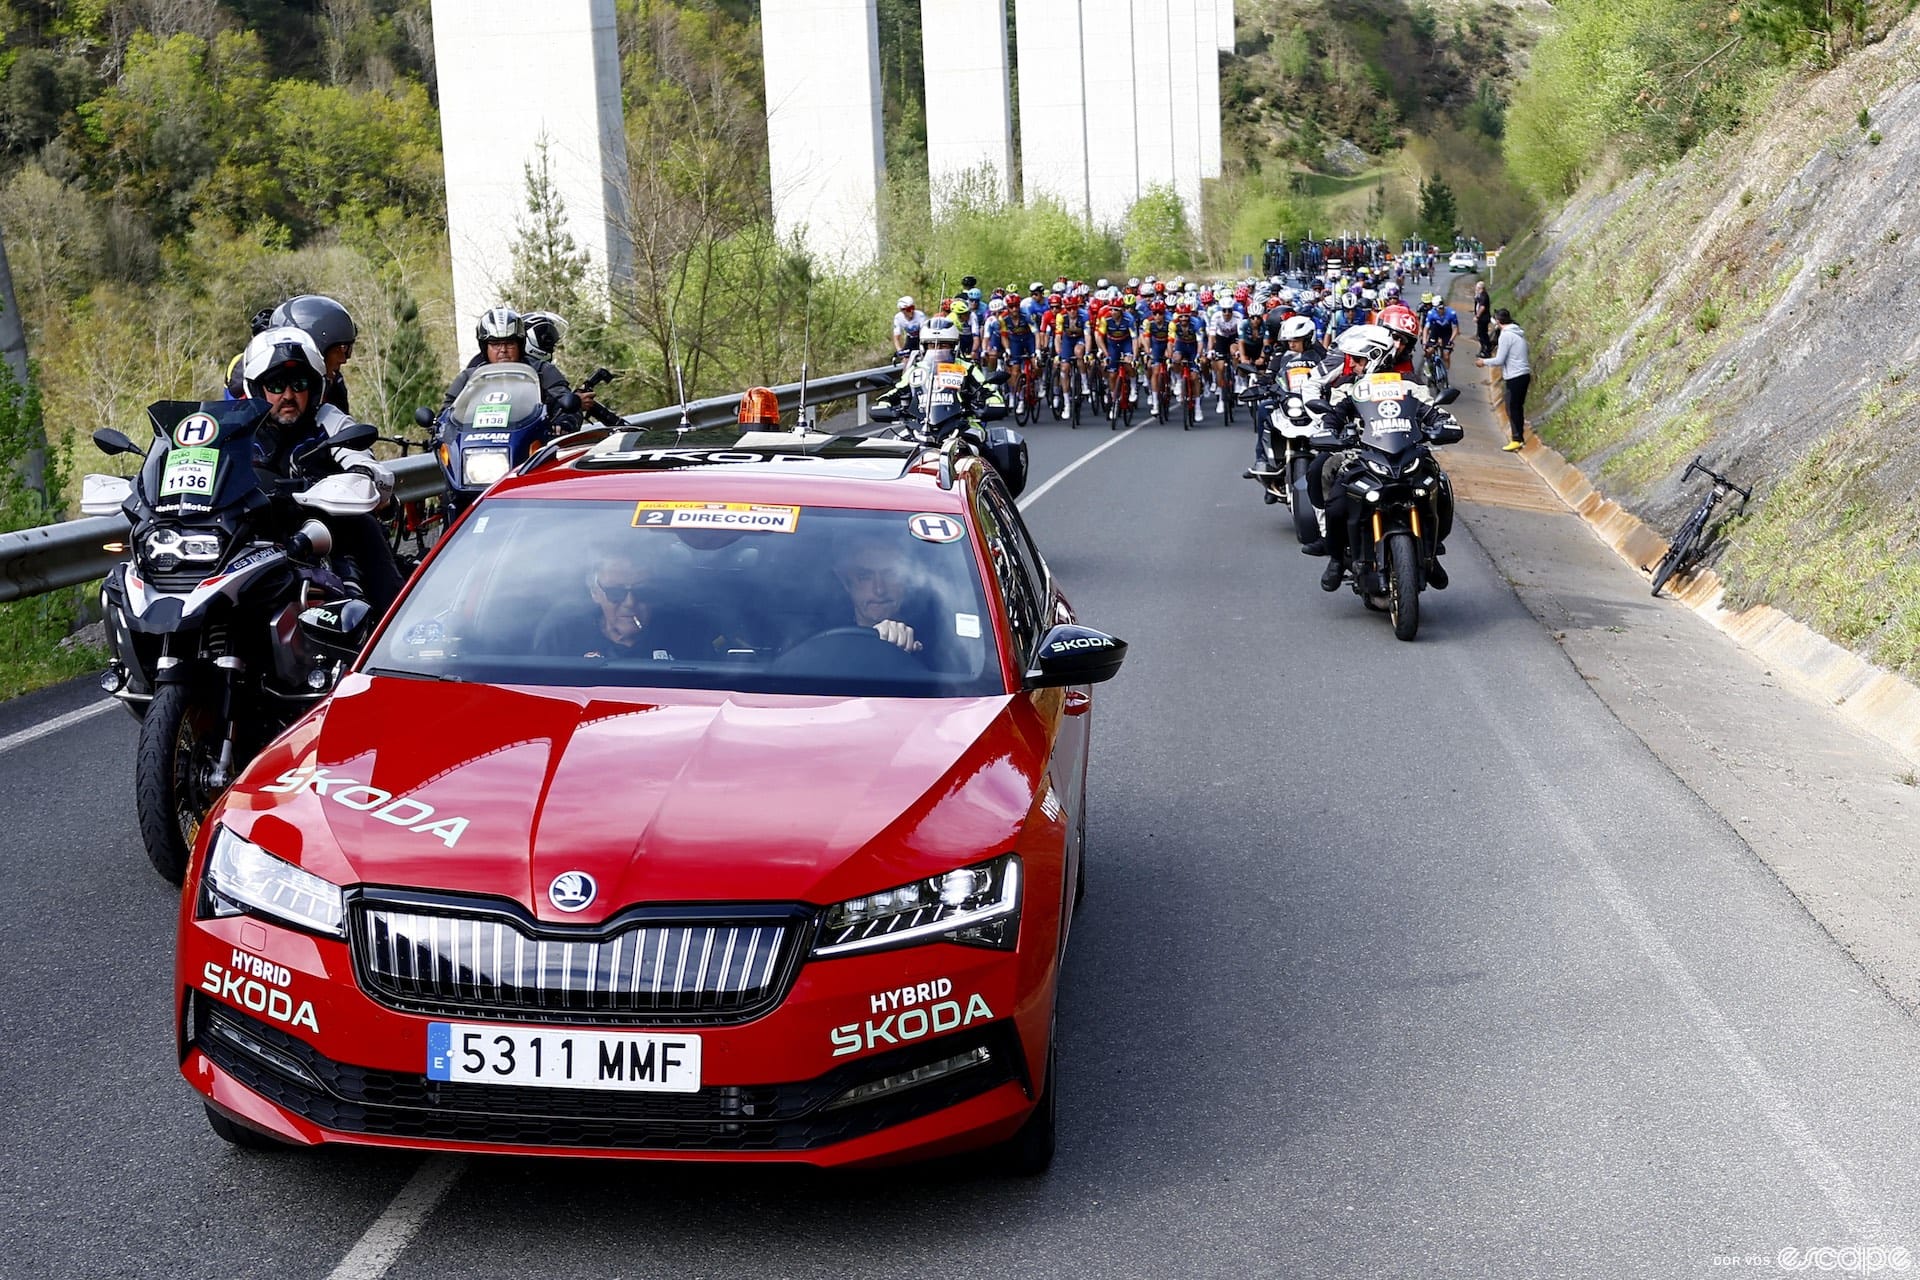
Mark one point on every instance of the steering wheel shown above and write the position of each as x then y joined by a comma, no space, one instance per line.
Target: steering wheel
895,661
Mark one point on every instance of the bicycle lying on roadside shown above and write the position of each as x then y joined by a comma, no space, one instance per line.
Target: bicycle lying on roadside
1691,544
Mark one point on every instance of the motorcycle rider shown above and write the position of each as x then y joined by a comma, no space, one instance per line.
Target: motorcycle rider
1343,515
283,367
940,344
502,335
332,330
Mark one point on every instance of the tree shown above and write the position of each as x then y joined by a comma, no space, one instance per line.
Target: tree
1157,237
549,267
408,375
1438,214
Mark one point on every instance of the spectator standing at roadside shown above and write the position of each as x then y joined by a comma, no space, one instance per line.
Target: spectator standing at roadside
1482,315
1516,374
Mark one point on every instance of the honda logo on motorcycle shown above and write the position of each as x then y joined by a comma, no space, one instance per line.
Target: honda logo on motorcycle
196,429
572,891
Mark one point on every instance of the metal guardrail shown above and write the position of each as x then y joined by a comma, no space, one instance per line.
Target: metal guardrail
33,561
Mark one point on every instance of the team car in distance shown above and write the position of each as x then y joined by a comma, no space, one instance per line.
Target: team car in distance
703,801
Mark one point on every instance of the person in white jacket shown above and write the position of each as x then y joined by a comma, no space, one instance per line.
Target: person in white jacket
1516,374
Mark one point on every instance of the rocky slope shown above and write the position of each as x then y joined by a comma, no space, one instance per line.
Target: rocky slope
1755,303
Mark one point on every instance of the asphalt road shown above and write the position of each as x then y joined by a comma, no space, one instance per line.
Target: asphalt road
1397,959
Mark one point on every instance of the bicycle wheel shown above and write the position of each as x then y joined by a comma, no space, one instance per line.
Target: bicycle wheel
1677,553
1057,394
1186,414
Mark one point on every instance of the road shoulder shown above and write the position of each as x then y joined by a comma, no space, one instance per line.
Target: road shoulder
1831,810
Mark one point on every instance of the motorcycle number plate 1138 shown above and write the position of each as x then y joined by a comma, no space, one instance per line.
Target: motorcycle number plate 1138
558,1058
190,472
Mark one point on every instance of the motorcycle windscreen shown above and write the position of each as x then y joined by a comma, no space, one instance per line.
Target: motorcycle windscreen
945,401
202,455
498,398
1389,413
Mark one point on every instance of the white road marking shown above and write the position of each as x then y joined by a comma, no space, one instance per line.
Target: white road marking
1074,466
1815,1161
394,1230
55,725
384,1241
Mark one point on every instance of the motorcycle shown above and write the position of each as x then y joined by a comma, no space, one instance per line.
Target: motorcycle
225,625
1394,484
497,423
1286,433
935,411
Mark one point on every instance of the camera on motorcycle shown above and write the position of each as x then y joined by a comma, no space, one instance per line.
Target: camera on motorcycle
109,441
1448,396
423,417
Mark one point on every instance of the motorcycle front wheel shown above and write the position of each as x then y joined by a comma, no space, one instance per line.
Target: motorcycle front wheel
1403,584
179,747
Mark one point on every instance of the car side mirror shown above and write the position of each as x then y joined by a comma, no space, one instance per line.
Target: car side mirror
110,442
882,413
1449,395
423,417
1073,654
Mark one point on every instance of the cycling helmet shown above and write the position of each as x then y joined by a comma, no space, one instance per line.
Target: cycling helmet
1349,300
282,348
1133,282
500,324
262,321
1241,294
1183,307
940,331
1397,317
1036,288
1206,297
545,332
967,282
759,407
1295,327
325,320
1390,290
1103,283
973,295
1158,307
905,304
996,306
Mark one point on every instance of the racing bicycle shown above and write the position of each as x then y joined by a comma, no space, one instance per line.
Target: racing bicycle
1436,359
1691,544
1025,385
1121,403
1189,393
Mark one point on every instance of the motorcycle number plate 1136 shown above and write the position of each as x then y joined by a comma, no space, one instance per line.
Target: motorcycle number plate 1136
190,472
557,1058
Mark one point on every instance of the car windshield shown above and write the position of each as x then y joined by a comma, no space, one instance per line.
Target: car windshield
700,595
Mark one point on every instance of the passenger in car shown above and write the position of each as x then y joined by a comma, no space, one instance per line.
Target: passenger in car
620,616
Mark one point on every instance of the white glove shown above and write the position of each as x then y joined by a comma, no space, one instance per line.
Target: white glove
372,468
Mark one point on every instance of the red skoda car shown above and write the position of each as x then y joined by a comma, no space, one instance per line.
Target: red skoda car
694,803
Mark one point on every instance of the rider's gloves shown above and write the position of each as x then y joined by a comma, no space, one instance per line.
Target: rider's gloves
359,460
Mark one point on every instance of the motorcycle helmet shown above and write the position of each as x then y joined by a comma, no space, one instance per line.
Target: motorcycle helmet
1397,317
1295,327
500,324
939,331
545,332
759,407
324,320
286,349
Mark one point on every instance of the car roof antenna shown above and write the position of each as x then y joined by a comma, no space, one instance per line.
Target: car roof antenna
801,424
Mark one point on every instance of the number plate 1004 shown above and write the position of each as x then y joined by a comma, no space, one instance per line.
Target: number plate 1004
563,1059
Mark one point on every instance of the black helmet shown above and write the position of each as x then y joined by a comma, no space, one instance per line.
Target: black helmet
545,332
501,324
325,320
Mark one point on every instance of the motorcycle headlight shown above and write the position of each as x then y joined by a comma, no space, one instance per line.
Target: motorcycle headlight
978,906
164,550
1413,468
243,878
482,466
1378,467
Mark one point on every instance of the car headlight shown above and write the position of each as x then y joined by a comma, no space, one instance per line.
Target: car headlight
978,906
244,878
482,466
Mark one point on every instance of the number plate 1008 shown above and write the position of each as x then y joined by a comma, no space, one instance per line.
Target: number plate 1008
563,1059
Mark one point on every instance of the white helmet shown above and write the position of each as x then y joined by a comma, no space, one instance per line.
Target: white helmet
904,303
996,306
283,348
1295,327
545,332
1104,283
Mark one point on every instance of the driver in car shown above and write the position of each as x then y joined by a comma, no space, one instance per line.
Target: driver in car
876,574
618,618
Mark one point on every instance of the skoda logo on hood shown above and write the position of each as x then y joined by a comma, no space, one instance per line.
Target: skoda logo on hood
572,891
